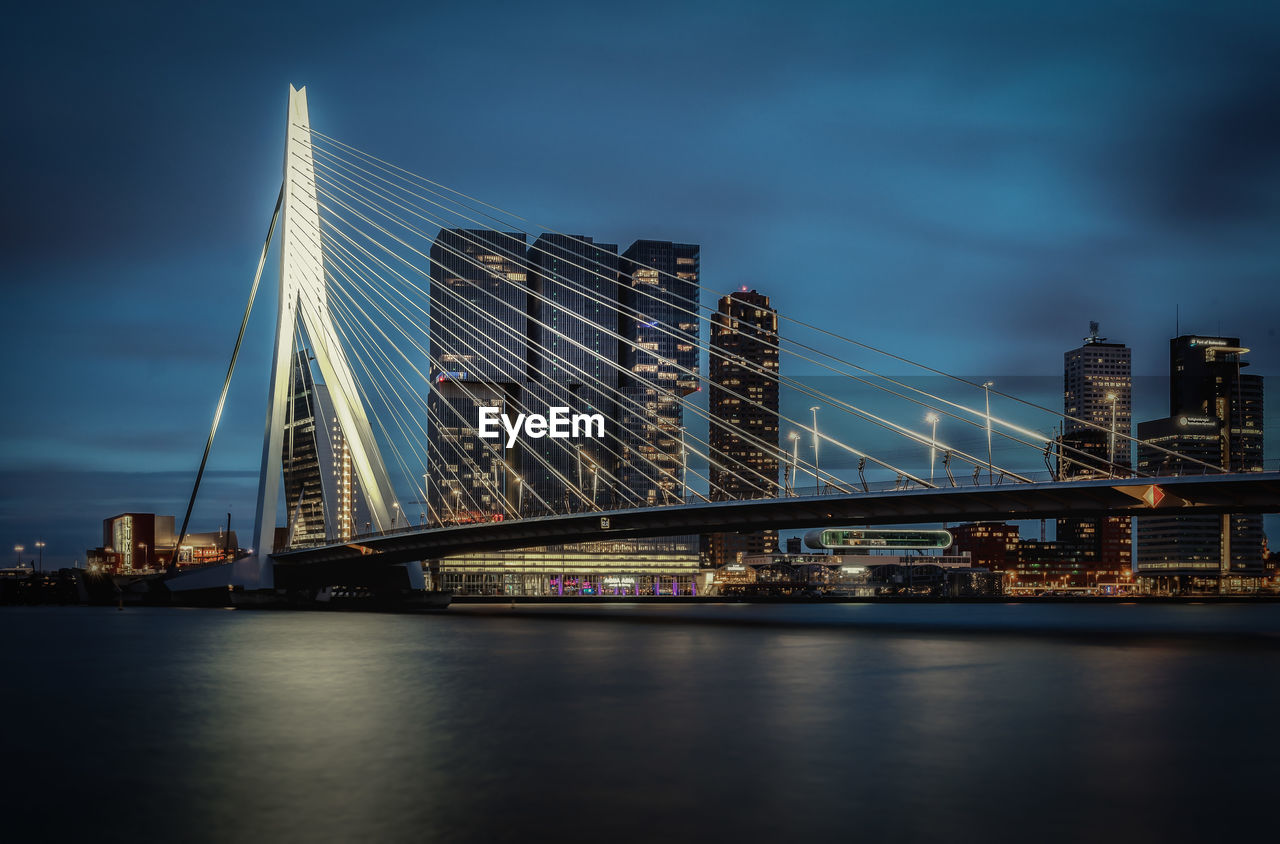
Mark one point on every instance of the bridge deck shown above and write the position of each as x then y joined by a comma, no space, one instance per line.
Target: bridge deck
1189,495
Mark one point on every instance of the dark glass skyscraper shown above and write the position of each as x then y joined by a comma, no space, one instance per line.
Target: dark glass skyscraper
659,296
479,290
1216,417
573,362
743,369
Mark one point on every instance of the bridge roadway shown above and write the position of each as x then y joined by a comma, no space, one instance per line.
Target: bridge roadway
1188,495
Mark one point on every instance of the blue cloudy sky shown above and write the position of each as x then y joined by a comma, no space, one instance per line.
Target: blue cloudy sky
970,183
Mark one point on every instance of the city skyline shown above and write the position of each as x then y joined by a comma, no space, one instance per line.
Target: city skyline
1025,223
661,399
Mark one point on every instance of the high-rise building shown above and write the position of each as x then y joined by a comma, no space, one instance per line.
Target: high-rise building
303,477
321,489
743,378
572,362
1215,416
346,510
478,358
658,319
1097,401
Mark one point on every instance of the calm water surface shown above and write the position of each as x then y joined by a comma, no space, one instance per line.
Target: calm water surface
483,725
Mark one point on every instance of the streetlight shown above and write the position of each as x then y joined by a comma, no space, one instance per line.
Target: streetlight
932,419
816,482
40,546
519,496
684,466
987,385
795,461
143,546
395,512
18,549
1111,448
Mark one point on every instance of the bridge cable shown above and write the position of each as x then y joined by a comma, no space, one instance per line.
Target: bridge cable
226,382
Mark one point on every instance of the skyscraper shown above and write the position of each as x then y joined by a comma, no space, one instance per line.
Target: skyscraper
658,319
303,475
478,332
1097,389
573,362
321,489
743,370
1215,416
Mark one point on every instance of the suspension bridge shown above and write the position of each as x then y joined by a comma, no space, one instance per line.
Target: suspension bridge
408,308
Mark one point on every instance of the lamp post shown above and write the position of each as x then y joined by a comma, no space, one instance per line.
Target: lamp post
40,547
932,419
1111,446
18,549
145,559
986,386
816,481
684,466
395,513
795,461
519,496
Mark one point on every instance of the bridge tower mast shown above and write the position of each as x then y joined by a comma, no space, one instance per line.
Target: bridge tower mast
304,299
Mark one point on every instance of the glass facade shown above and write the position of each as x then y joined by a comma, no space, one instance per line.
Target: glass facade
322,492
573,363
477,340
666,566
1215,417
659,284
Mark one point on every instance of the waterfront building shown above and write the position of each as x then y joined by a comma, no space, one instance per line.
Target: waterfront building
993,545
572,362
1097,401
1215,416
477,343
662,566
854,574
658,304
138,542
321,490
743,403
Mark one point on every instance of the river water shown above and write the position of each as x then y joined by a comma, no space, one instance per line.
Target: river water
674,723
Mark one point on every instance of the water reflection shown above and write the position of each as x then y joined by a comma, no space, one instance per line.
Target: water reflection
292,726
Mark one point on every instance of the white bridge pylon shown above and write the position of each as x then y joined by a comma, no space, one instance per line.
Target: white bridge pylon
304,300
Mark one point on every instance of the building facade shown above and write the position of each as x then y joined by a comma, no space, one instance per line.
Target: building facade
1215,417
573,362
321,489
658,320
478,358
1097,402
743,402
